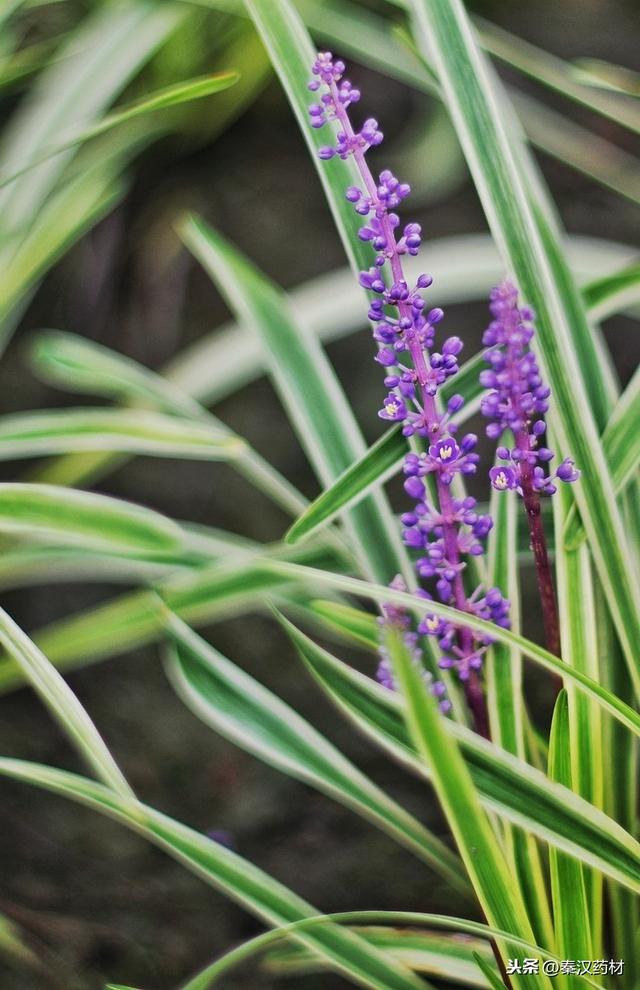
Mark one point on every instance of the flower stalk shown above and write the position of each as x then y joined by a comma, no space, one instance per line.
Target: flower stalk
444,528
544,575
516,400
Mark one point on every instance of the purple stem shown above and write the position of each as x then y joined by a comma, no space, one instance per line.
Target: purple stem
531,499
472,686
544,575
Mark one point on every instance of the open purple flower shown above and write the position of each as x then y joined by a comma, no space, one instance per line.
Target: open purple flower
503,478
393,409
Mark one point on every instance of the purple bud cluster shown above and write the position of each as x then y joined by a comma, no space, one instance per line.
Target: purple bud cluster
341,94
441,528
518,397
396,617
490,606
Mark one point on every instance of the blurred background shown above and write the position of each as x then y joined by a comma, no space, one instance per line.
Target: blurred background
93,901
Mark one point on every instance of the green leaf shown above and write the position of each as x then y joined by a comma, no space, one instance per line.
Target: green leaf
558,135
308,388
377,465
571,357
236,877
78,364
170,96
292,52
229,587
352,623
607,75
85,519
26,563
619,289
8,8
378,593
492,977
507,786
568,894
486,865
555,73
621,441
205,979
24,566
98,60
102,53
578,147
504,664
445,957
243,710
621,779
18,63
581,647
138,432
74,363
13,945
81,202
62,703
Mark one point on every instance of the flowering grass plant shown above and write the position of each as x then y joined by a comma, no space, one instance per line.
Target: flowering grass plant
541,859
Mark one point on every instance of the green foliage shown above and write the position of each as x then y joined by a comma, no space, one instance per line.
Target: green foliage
85,519
308,387
505,785
139,432
568,891
363,963
240,708
170,96
518,218
543,821
392,938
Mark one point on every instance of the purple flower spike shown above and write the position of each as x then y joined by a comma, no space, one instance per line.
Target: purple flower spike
516,401
517,398
384,674
396,617
442,528
410,329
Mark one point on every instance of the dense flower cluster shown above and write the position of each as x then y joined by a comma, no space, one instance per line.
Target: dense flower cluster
517,398
398,618
444,529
